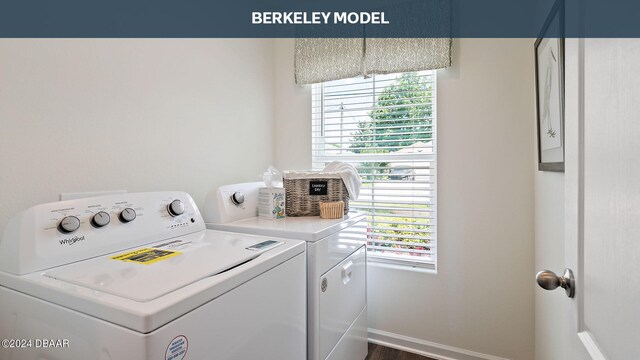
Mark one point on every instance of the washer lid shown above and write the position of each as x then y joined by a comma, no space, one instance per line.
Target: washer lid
146,273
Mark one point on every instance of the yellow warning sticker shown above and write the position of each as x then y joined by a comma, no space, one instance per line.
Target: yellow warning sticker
146,256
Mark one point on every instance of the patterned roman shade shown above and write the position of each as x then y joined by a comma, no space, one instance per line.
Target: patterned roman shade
388,56
367,50
318,60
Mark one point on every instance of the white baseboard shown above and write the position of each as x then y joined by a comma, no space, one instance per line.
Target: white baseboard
425,348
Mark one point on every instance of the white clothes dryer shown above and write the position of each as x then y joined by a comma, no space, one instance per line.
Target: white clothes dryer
336,267
138,276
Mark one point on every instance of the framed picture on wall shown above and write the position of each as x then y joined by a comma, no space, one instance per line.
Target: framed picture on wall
549,74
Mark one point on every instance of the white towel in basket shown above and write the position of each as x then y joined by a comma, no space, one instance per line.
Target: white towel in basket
349,176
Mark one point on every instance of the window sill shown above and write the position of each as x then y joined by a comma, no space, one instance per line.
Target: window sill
404,265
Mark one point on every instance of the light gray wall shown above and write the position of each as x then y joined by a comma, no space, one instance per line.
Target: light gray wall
549,243
141,115
481,300
292,118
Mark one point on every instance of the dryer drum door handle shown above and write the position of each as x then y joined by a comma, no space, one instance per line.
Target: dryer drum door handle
346,272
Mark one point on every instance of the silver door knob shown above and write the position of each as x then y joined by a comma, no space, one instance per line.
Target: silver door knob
548,280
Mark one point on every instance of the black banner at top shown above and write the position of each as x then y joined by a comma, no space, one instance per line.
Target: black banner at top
312,18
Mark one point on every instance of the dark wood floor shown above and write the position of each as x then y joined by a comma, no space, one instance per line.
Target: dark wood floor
379,352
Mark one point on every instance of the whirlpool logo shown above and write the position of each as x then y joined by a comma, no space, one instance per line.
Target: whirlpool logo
71,241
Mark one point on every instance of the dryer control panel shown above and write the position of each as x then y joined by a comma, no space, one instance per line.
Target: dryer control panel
230,203
62,232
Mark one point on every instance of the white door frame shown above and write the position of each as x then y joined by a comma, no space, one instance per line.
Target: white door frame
574,185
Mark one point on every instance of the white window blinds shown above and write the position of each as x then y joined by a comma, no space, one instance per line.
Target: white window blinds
386,127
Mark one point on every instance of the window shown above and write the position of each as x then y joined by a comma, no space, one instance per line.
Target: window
386,127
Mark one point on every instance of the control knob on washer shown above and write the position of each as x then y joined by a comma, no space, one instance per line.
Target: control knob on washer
237,198
100,219
175,208
69,224
127,215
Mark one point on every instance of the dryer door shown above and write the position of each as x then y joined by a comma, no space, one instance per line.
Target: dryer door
342,297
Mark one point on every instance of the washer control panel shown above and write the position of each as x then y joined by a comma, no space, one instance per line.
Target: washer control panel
57,233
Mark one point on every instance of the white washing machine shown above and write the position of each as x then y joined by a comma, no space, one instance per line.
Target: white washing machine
138,276
336,267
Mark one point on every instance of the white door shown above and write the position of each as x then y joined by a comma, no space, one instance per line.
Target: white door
602,194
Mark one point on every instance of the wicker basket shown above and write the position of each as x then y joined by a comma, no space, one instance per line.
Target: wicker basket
331,209
304,191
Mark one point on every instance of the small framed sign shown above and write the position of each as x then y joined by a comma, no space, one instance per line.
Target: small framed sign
318,187
549,77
